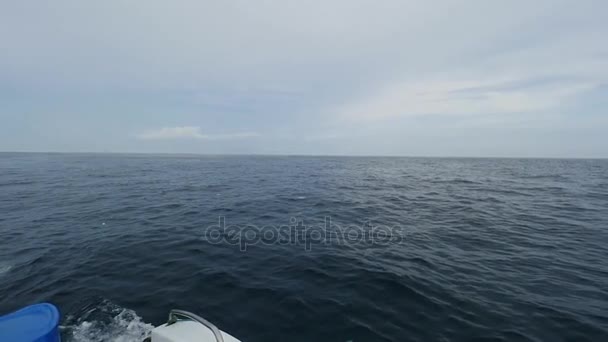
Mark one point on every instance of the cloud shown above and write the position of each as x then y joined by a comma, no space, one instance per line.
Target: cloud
190,132
525,80
461,97
417,69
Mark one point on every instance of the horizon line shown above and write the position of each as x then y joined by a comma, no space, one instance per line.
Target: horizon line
298,155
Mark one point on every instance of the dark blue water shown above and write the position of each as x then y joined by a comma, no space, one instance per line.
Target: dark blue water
479,249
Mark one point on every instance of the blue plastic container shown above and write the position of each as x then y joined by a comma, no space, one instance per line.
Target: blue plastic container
36,323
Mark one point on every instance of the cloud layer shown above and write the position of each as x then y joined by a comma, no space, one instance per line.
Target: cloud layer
420,77
190,132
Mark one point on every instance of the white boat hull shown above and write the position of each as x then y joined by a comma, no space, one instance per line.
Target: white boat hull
191,329
187,331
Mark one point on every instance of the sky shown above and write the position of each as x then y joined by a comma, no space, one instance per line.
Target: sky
316,77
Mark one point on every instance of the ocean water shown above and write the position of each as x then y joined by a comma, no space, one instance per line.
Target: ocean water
329,249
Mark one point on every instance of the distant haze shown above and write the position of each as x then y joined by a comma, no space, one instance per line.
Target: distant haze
332,77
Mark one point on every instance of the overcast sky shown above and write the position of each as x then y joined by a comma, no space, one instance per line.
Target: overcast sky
383,77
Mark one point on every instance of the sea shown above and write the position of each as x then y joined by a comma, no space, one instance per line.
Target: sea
299,248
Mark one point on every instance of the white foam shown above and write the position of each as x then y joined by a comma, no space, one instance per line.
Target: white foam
4,268
126,326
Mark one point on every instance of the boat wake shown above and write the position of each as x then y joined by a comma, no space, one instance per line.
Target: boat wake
105,322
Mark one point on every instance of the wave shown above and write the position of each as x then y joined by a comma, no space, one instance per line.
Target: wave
4,268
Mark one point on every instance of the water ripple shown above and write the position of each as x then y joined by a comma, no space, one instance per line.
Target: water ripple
491,249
